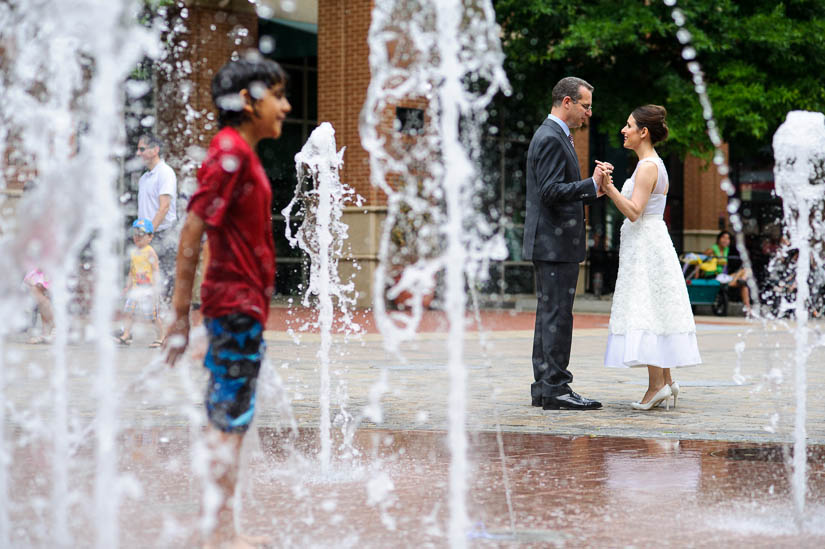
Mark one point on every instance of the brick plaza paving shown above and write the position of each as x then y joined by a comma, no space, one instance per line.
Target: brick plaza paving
711,405
679,449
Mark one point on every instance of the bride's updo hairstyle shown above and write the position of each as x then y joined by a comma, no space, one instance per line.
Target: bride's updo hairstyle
652,117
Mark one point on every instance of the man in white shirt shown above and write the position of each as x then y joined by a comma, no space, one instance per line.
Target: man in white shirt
157,195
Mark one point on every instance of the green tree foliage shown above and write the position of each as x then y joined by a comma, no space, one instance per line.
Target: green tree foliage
761,58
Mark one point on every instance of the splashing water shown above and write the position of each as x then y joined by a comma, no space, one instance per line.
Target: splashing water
700,86
61,112
321,197
799,155
800,181
442,62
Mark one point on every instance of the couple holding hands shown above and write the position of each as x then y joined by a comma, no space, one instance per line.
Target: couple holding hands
651,322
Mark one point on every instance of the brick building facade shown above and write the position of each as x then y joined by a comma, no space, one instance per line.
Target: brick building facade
342,83
333,85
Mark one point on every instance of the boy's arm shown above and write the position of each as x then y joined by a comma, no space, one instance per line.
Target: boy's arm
177,334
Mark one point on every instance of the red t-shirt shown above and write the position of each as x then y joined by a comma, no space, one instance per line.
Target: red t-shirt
233,198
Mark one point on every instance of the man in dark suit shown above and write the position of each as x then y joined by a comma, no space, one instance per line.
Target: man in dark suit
554,239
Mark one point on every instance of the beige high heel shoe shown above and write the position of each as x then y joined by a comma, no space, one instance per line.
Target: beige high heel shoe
674,388
662,394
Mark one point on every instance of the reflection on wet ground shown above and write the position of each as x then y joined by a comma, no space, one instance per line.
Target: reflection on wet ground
391,491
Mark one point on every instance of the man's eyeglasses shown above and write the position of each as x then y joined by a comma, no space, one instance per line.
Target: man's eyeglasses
141,149
586,107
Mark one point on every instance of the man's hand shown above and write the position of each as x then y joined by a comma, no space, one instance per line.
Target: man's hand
176,339
605,171
606,166
598,175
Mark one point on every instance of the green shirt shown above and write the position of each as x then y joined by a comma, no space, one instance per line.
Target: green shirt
722,257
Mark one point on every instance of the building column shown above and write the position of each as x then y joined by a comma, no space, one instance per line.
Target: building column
343,79
206,34
706,203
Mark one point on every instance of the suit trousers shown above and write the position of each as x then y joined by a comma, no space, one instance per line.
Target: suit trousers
555,290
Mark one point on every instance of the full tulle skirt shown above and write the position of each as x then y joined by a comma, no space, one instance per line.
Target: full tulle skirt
651,321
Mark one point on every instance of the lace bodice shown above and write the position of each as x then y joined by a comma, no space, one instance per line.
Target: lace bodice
658,199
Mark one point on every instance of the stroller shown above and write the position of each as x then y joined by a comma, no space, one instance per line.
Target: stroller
705,284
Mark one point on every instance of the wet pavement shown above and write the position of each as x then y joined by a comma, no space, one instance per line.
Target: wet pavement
709,473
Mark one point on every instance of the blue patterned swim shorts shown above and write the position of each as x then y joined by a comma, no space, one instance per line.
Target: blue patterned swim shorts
236,347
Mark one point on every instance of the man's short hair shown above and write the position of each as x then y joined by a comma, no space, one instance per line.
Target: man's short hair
569,86
151,140
239,75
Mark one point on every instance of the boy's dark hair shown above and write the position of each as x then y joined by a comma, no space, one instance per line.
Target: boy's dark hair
240,75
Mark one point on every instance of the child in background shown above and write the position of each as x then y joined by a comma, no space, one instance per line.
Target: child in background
39,286
142,289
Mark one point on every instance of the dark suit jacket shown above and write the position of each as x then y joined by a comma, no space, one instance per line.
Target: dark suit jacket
554,227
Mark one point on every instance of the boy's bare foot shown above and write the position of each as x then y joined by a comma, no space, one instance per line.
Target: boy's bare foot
240,541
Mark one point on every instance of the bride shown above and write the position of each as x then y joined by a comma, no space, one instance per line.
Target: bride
651,322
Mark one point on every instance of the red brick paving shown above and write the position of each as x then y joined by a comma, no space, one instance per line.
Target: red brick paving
281,319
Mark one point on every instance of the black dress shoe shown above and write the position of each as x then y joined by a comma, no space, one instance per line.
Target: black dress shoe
569,401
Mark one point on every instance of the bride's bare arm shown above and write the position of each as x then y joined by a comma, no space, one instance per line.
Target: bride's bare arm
645,182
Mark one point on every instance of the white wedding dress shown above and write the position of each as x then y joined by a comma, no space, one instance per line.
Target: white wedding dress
651,322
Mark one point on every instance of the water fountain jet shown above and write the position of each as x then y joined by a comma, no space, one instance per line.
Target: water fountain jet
799,155
447,58
321,196
800,180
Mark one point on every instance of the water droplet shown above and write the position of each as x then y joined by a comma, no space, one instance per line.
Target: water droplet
267,44
264,11
678,17
134,164
196,153
257,90
689,53
684,36
288,5
137,88
230,102
670,3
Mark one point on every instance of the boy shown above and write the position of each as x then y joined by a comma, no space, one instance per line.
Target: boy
142,288
232,205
